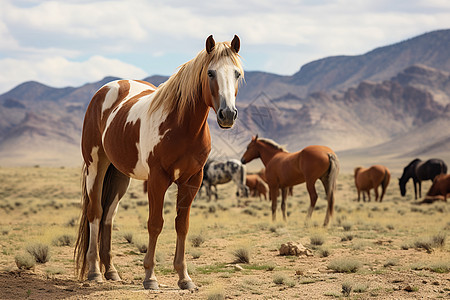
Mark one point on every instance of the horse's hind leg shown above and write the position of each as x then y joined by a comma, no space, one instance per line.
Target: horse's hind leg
115,186
376,193
283,202
312,196
94,185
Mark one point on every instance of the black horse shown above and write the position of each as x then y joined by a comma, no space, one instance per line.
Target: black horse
419,171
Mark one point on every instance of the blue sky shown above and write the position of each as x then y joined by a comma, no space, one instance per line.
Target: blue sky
71,42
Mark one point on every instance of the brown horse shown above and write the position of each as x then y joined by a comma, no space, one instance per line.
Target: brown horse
440,187
284,169
256,185
370,178
132,129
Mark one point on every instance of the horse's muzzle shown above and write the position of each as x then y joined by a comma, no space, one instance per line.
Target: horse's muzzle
226,117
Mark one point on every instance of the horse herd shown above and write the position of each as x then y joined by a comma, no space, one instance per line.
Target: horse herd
133,129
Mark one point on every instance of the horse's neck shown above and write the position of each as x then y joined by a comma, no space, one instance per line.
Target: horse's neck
267,153
195,119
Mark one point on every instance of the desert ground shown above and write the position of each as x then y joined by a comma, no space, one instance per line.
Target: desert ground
396,249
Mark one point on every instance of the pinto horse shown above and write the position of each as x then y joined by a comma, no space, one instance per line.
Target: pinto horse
284,169
371,178
133,129
419,171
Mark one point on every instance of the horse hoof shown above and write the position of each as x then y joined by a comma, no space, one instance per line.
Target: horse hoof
97,277
151,284
112,275
187,285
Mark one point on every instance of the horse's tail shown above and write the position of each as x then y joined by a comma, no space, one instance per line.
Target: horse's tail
332,178
386,179
82,244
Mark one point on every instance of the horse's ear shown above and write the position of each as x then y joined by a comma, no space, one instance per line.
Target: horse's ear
236,44
210,43
256,137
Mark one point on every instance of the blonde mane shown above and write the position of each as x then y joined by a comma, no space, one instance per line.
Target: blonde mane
273,144
184,88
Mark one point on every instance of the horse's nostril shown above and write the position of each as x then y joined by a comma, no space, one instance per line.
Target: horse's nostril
220,114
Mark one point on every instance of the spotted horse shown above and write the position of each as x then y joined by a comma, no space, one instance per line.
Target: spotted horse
220,172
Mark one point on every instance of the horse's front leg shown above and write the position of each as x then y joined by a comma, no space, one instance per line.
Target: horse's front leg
273,195
415,189
157,187
420,189
186,193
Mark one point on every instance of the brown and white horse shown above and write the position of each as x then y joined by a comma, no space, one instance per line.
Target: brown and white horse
371,178
284,169
134,130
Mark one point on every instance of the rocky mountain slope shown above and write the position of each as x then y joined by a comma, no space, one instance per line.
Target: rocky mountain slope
394,99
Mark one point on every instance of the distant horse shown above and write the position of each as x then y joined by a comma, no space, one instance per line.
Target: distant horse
256,185
370,178
220,172
420,171
133,129
284,169
262,174
440,187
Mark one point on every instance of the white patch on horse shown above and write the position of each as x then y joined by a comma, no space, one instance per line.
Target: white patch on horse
112,211
226,79
92,169
176,174
111,95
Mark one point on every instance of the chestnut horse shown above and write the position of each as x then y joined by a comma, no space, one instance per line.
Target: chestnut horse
419,171
370,178
439,188
284,169
256,185
133,129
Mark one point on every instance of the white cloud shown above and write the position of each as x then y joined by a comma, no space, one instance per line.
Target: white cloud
286,34
60,72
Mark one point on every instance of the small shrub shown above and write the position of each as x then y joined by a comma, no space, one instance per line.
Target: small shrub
347,226
195,254
242,255
72,222
216,293
390,226
270,266
423,244
440,267
347,287
438,240
128,236
64,240
324,252
360,288
317,240
391,262
25,261
347,237
197,240
344,265
142,247
40,252
279,278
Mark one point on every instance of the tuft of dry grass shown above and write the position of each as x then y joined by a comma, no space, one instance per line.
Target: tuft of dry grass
25,261
344,265
242,255
347,287
64,240
128,236
197,240
317,239
40,252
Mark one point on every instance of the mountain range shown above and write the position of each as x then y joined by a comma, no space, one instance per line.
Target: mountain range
386,106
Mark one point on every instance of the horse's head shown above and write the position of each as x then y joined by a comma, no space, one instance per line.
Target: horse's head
223,73
252,151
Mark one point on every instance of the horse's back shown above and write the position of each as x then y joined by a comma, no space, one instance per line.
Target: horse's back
429,169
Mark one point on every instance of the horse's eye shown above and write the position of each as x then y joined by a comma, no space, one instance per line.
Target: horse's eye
237,74
211,74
